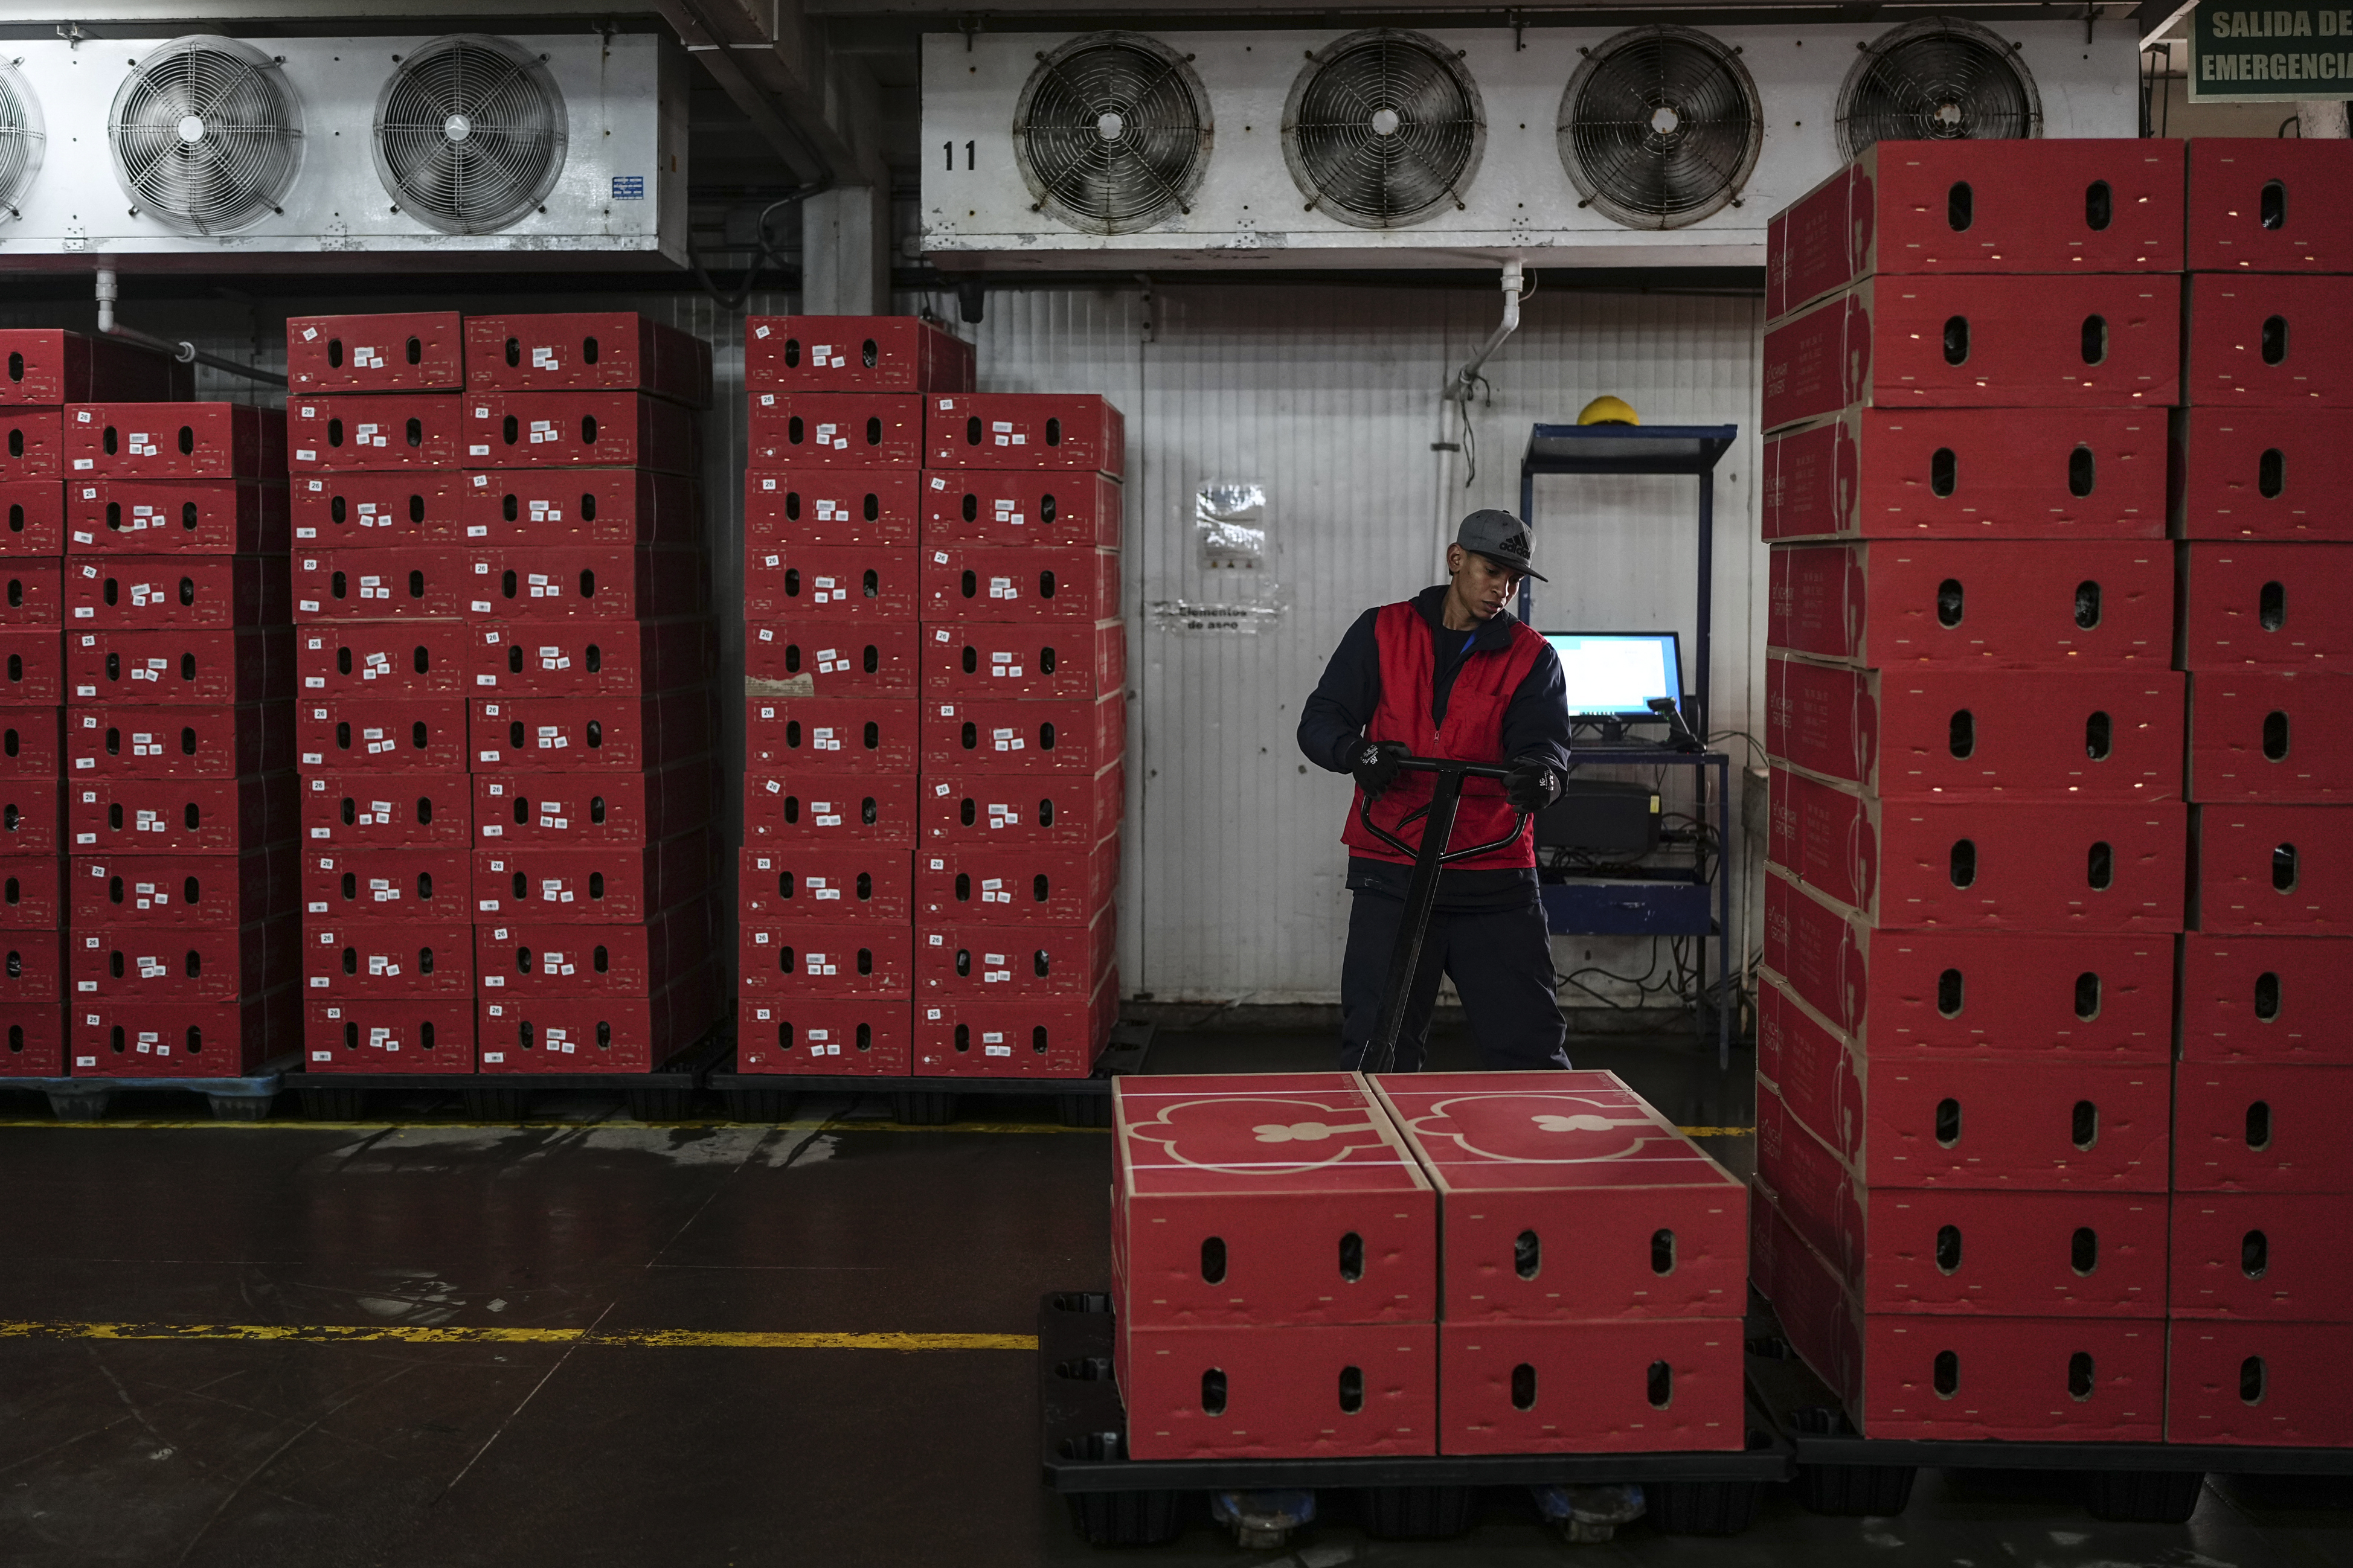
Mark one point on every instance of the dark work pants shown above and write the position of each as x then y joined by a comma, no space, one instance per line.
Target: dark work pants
1500,962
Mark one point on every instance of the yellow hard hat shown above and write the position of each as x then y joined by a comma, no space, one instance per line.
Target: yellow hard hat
1608,410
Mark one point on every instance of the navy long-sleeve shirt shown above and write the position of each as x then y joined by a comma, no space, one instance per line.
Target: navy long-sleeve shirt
1535,725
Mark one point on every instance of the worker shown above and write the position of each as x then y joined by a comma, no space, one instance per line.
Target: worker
1449,673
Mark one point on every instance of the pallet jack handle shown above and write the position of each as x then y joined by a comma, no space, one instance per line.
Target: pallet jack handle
1421,894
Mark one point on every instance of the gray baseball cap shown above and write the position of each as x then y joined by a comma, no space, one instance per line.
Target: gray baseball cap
1499,537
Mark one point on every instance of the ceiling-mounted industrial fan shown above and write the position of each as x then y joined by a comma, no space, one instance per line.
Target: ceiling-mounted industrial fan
470,134
21,137
205,134
1660,127
1939,78
1112,132
1383,128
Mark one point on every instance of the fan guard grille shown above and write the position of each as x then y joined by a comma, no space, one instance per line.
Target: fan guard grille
470,133
1660,127
206,136
21,136
1383,128
1113,133
1940,78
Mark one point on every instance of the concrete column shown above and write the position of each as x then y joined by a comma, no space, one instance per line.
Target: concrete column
846,252
2322,120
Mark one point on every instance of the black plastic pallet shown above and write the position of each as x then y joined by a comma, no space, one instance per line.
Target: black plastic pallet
936,1101
245,1098
1840,1471
666,1094
1115,1499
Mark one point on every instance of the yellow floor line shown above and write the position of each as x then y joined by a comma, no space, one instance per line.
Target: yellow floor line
1716,1132
418,1334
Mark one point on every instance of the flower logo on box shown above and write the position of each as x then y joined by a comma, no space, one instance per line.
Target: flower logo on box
1264,1133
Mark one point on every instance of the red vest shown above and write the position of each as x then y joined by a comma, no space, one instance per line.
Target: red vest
1473,731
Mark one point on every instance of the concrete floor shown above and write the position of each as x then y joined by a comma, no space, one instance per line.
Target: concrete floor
292,1449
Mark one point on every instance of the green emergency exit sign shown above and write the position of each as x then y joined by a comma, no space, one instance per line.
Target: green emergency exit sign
2240,54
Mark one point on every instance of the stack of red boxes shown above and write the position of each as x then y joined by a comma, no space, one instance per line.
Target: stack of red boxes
832,517
1977,840
375,420
1316,1264
40,372
590,652
179,738
1024,727
2262,1283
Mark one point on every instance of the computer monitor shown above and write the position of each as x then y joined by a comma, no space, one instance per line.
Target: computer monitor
1614,675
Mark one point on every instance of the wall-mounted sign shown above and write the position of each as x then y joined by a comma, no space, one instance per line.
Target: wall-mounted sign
2240,54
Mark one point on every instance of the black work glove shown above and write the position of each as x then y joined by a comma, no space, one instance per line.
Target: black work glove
1376,764
1531,785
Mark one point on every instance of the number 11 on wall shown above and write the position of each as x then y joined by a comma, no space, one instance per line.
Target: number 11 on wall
947,150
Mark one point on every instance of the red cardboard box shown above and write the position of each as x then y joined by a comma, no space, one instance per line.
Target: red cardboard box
580,506
797,958
2281,736
173,441
862,583
34,1043
536,808
31,592
117,740
858,430
384,658
2264,341
1025,430
823,657
348,511
380,585
859,733
578,429
45,366
388,811
613,349
1639,1221
32,742
2094,997
2259,1383
2276,606
32,444
2263,1257
402,350
862,1034
32,666
589,583
843,885
854,353
2086,734
2097,341
1968,474
389,1033
2259,205
116,1039
2073,206
382,734
32,891
209,666
637,960
134,891
2261,1127
832,507
2078,604
108,814
1082,736
1511,1388
365,958
1222,1224
2280,870
579,734
178,517
1959,1375
1018,808
1019,506
809,807
595,1033
1020,583
2271,474
145,592
2265,999
591,884
992,884
996,660
1281,1391
589,661
33,967
406,886
967,960
359,432
32,817
1015,1036
32,517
